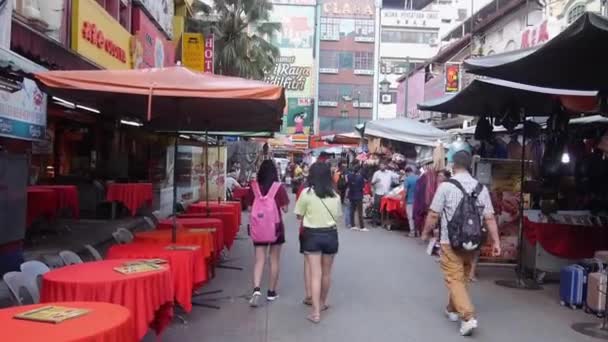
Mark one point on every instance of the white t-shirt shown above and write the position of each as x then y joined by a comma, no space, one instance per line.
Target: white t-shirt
382,181
231,183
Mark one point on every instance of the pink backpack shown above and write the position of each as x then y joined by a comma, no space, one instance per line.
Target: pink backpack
264,215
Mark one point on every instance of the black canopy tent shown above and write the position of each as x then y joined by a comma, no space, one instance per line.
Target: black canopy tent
574,59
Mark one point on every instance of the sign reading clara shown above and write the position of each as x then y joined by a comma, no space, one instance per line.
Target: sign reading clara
288,75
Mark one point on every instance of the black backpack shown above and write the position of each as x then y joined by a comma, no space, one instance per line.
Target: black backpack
466,230
342,182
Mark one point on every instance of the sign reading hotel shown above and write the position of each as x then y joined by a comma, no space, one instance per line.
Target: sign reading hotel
209,51
193,51
98,37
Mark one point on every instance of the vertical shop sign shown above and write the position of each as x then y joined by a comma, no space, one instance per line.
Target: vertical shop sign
452,78
209,51
193,51
6,11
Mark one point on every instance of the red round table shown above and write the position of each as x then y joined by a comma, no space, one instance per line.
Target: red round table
67,197
104,323
149,296
230,221
187,266
231,207
132,195
203,239
197,223
41,203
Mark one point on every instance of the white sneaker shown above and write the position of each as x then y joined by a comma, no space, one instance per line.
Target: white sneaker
354,228
364,230
452,316
467,327
255,299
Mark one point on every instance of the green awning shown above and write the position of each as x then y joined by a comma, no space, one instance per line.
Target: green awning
16,63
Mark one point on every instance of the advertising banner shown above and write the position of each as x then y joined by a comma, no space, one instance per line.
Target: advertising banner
217,174
97,36
452,78
162,11
294,69
23,113
6,12
149,47
193,51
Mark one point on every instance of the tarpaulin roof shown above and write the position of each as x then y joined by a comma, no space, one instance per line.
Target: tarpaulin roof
352,138
175,98
405,130
492,96
574,59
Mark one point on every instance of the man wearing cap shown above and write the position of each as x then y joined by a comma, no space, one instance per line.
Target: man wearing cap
456,264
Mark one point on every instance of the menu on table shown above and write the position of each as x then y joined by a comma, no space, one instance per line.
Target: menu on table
133,268
181,248
156,261
202,230
52,314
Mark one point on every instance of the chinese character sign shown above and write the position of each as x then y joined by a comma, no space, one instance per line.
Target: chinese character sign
452,78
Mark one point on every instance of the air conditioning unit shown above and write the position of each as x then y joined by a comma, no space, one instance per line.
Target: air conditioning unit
347,98
386,98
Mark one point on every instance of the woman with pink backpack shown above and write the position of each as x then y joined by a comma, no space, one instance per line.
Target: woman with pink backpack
266,227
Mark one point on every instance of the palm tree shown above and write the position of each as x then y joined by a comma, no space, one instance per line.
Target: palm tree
242,34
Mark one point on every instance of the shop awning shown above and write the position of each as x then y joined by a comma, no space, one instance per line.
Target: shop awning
405,130
492,96
574,59
15,63
352,138
173,98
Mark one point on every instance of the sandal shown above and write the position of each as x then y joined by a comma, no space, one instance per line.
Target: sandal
316,319
325,307
307,301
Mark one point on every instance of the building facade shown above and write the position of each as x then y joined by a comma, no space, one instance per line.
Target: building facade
347,33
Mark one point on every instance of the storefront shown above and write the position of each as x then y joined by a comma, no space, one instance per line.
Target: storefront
149,47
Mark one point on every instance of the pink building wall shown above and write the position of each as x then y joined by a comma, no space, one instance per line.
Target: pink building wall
415,95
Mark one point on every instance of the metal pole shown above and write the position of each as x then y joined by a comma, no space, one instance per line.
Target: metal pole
174,229
407,85
207,171
358,107
219,200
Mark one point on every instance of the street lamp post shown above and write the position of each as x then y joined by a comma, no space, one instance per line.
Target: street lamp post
358,107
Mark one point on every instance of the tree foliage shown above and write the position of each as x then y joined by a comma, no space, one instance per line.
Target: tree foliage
242,33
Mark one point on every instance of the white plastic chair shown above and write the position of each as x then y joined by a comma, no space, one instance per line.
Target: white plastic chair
20,287
123,236
94,252
70,258
33,271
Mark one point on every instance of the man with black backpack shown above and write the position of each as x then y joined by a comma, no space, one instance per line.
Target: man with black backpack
464,208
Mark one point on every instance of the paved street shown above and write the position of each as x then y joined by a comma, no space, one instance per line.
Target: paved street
385,289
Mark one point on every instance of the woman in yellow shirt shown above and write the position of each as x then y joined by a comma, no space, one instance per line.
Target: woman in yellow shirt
320,209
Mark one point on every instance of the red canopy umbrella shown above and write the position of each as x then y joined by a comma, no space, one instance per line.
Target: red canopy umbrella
173,98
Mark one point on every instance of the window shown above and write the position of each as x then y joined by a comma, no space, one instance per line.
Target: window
362,93
346,60
328,59
364,60
125,16
330,29
446,21
364,28
344,113
408,36
575,12
328,92
462,14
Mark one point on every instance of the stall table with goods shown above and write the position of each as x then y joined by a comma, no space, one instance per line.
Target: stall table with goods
230,221
95,322
187,264
195,237
213,225
148,293
132,195
67,197
41,203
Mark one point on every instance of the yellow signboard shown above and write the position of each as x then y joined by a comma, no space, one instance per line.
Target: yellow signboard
99,37
193,51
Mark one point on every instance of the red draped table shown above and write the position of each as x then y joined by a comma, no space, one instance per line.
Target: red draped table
392,205
198,223
230,206
67,197
132,195
204,239
188,267
149,296
41,203
241,195
105,322
230,221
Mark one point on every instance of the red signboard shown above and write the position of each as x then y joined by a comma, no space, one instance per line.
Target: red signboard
209,46
535,35
452,78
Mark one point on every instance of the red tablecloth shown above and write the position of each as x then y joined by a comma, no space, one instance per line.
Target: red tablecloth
567,241
199,222
201,208
149,296
67,197
132,195
41,203
394,206
230,221
104,323
188,268
242,195
184,237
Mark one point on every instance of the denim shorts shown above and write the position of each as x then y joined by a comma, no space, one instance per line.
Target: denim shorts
320,240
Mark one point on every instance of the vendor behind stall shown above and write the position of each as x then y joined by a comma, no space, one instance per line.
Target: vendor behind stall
411,178
381,183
